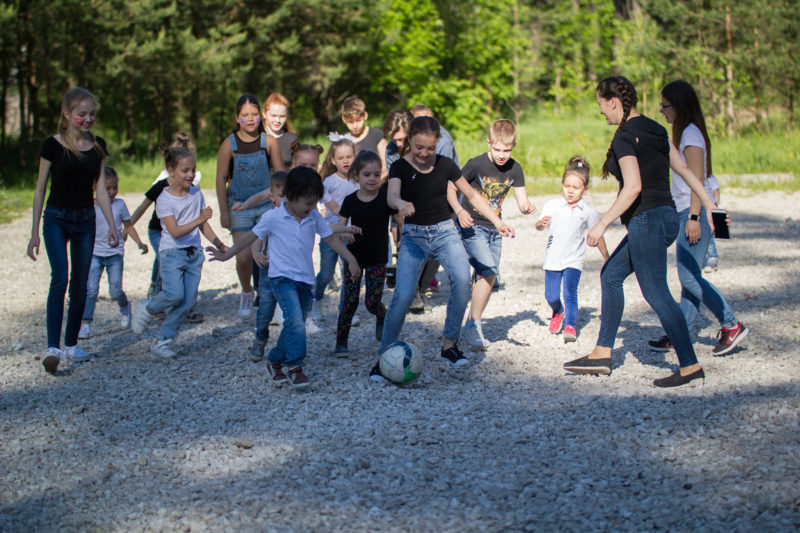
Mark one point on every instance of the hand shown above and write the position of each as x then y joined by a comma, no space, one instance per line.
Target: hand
237,206
464,219
349,238
595,234
693,231
355,230
543,223
33,247
355,270
506,231
225,218
261,259
143,248
528,209
217,254
206,214
113,238
407,210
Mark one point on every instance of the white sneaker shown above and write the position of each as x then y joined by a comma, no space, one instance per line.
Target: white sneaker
311,327
474,334
277,317
316,313
124,318
141,317
84,331
163,349
74,353
246,304
51,359
356,321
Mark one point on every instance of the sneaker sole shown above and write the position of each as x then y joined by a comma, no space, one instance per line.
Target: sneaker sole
301,386
569,338
458,363
588,370
745,332
50,363
659,349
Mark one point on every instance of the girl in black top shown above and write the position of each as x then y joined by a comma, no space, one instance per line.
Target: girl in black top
639,157
74,159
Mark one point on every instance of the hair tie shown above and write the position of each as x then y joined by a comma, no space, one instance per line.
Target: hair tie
579,164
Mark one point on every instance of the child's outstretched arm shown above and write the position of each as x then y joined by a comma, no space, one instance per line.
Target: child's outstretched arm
101,194
137,214
339,247
526,207
129,229
464,218
256,250
253,201
179,231
404,208
223,253
479,203
208,233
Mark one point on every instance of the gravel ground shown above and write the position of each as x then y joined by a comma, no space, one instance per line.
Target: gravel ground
129,442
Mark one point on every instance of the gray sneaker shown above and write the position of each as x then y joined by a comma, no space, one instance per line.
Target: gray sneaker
257,351
163,349
74,353
474,334
141,317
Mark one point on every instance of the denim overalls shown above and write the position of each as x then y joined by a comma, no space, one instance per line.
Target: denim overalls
250,173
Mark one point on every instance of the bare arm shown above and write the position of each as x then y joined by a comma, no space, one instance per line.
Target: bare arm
275,155
696,184
224,253
483,208
601,246
137,214
526,207
340,248
224,156
179,231
695,160
382,155
404,208
464,218
253,201
129,229
632,186
208,233
38,205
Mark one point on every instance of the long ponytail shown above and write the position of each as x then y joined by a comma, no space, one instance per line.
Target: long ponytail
619,87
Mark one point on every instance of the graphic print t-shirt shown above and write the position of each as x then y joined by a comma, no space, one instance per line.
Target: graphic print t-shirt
492,182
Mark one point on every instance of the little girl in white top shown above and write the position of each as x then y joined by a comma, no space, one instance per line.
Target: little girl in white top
569,218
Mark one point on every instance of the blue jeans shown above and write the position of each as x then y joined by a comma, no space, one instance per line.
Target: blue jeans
419,243
155,241
571,277
266,305
484,246
180,278
113,265
696,290
643,251
327,266
294,297
59,227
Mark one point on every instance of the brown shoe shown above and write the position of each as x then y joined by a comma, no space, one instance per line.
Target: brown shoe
297,379
276,374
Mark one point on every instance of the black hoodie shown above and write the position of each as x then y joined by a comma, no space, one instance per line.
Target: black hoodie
648,141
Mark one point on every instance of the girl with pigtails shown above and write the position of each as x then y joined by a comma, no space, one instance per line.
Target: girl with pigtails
640,157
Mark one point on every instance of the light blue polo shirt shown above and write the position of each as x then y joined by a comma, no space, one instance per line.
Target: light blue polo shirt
290,244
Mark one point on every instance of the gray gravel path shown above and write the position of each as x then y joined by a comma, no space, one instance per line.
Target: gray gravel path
129,442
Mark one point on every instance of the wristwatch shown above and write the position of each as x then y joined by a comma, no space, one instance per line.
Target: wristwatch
694,217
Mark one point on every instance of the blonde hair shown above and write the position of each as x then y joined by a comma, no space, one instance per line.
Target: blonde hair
577,165
353,108
278,99
503,131
72,99
328,166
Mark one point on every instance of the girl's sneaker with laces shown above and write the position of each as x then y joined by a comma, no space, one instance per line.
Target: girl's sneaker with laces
84,331
74,353
728,339
570,335
555,322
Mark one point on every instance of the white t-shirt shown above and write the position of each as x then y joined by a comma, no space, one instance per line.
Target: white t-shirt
290,243
566,246
336,189
185,209
164,175
681,193
120,212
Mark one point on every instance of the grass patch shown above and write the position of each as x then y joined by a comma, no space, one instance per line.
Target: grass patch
14,202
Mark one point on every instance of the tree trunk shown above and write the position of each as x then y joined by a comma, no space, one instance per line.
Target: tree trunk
729,115
21,75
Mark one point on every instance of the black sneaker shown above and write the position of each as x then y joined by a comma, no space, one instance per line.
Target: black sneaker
455,356
584,365
379,329
375,373
661,345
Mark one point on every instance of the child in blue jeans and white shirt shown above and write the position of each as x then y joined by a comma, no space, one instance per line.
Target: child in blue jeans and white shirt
183,214
292,229
569,218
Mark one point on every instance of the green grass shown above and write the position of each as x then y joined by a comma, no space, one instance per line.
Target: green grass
14,202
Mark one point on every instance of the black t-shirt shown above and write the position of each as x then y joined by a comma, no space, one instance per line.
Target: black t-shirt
428,192
372,217
285,141
648,141
152,195
71,177
370,142
492,182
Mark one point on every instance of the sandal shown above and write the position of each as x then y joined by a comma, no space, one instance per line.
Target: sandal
195,318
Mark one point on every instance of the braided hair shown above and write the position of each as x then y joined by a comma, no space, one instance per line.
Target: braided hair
619,87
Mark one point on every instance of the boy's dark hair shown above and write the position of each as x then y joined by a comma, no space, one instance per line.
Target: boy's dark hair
278,179
111,173
302,182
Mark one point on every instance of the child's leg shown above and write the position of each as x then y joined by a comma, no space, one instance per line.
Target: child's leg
92,288
552,289
155,241
572,277
484,246
114,268
327,265
447,249
172,263
375,275
295,301
190,278
266,305
351,287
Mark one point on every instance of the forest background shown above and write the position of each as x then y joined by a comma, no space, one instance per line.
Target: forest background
161,66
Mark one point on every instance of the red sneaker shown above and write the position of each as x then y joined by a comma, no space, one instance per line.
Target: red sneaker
556,321
570,335
276,374
727,339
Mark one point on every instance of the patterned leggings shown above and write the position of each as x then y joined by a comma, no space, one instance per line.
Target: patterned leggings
375,277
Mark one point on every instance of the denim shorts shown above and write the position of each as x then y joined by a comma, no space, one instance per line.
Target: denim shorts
245,219
484,246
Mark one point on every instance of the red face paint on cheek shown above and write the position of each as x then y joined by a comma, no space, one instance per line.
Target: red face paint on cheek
77,121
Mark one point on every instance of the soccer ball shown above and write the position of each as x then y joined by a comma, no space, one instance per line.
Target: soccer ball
401,363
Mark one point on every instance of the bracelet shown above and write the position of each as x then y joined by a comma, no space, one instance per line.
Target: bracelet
694,217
